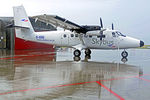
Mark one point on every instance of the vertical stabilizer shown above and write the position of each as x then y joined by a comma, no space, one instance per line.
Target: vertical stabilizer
21,18
22,23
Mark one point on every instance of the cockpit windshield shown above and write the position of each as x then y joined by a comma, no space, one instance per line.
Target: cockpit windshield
120,34
117,33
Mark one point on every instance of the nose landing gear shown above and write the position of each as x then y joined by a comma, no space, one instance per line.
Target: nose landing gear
124,55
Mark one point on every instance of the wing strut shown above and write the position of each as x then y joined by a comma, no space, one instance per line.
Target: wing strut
81,39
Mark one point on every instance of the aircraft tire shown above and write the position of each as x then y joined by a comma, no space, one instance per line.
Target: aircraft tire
77,53
87,51
124,54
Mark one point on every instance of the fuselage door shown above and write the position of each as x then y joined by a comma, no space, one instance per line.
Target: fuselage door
74,39
71,39
64,39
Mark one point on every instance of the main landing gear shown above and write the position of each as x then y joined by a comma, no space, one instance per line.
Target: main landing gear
77,54
87,52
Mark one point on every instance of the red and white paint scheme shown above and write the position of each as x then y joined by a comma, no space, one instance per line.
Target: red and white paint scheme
21,44
73,35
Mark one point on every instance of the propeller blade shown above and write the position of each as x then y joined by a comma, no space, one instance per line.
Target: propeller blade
112,26
101,22
102,30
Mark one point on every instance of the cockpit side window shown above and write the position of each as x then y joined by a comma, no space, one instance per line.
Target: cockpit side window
113,34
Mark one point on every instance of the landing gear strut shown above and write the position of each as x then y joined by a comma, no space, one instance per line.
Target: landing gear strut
124,54
77,53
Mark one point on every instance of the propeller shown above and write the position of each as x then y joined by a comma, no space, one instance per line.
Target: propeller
101,30
101,23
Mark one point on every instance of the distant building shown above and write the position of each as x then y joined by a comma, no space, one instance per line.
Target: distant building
9,41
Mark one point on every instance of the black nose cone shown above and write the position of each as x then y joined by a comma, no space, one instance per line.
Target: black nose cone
141,43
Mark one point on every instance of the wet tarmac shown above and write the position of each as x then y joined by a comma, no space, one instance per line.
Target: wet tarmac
45,75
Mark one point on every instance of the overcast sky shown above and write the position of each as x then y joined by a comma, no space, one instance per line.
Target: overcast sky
131,17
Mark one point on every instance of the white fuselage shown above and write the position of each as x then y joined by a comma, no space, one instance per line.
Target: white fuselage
110,39
91,40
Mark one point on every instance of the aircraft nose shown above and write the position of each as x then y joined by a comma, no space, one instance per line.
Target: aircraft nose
141,43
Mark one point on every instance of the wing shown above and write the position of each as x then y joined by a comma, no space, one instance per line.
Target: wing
60,22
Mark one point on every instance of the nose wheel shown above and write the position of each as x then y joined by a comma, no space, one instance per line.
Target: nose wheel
124,54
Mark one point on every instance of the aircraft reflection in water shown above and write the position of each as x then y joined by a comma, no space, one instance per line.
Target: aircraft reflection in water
124,59
34,73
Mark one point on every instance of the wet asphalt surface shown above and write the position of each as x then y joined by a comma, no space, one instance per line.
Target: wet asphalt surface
45,75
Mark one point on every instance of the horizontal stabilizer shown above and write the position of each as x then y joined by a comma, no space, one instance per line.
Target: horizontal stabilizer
13,26
22,27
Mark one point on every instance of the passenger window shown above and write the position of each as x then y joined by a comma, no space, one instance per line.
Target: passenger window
90,36
65,35
98,36
76,35
72,35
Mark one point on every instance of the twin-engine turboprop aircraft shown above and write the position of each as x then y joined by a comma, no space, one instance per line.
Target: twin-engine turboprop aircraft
73,35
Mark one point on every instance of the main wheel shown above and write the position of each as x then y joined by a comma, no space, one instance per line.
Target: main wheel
87,51
77,53
124,54
76,58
